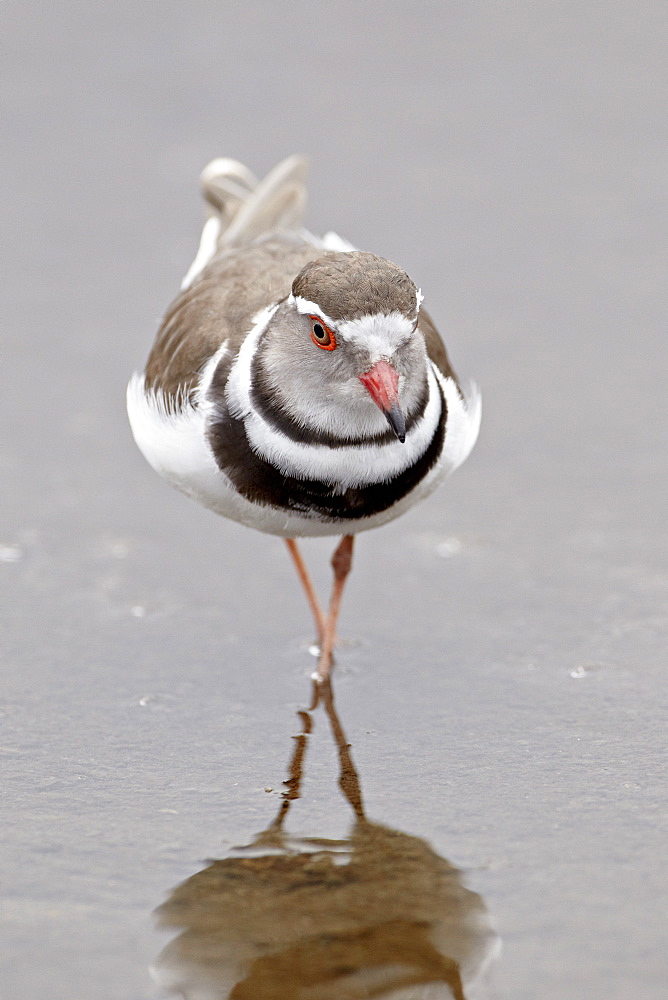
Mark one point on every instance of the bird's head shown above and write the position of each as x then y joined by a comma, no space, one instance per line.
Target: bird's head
343,353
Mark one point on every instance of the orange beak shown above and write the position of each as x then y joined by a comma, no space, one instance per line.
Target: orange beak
382,384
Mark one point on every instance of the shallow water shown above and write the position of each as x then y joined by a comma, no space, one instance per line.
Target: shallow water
376,913
503,688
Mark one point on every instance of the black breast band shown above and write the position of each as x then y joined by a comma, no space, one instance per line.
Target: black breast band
262,483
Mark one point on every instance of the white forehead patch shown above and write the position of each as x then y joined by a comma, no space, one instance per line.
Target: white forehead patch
379,334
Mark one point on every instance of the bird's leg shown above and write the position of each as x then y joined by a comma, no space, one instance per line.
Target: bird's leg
341,563
311,596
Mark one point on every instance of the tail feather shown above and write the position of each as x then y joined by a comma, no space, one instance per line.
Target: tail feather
226,184
278,202
247,208
241,209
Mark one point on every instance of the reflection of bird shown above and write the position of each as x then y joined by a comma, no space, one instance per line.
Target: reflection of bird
379,914
295,385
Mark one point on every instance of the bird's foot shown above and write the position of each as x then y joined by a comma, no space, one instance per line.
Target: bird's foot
315,648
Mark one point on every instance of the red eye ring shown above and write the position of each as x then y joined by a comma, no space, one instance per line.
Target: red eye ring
321,335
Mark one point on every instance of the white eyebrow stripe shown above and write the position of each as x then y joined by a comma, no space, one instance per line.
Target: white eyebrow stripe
380,333
308,308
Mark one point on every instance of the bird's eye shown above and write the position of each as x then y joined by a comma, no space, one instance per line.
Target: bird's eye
321,334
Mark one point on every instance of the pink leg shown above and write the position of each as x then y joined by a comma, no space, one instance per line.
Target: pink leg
311,596
341,563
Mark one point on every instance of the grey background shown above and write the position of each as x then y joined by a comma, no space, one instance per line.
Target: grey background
505,692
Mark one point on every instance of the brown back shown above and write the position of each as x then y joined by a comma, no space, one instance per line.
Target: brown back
435,346
219,306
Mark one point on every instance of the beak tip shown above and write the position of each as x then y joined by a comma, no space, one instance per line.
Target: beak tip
395,419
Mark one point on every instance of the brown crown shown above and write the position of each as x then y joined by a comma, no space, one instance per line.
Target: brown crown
350,285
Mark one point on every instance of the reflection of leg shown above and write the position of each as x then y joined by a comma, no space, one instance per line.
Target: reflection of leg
341,563
293,783
349,781
311,596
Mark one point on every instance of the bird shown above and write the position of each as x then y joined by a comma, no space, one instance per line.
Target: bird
296,384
